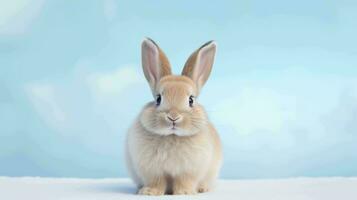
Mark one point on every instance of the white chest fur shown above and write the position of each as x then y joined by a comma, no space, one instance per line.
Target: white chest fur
170,155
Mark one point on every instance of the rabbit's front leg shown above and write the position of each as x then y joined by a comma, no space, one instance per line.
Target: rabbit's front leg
154,186
184,184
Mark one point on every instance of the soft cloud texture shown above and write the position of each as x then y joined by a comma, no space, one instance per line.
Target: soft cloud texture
111,84
16,15
58,103
44,98
253,110
278,123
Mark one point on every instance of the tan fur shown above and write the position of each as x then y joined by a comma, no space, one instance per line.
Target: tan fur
165,64
183,160
191,64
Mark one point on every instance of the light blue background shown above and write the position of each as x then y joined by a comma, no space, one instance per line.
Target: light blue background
283,92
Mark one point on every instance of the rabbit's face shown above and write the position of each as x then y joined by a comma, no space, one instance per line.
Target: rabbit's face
175,110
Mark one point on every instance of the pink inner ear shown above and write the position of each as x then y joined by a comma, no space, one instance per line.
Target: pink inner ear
153,66
151,61
204,65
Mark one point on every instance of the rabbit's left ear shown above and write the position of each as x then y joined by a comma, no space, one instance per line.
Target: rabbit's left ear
199,65
155,63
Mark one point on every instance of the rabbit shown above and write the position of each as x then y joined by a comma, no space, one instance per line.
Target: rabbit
172,147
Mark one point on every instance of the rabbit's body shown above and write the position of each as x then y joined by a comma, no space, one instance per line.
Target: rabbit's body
172,147
151,155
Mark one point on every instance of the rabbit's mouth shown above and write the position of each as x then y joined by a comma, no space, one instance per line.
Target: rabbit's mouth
175,129
173,126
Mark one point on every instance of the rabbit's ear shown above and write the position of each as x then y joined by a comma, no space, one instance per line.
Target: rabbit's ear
199,65
155,63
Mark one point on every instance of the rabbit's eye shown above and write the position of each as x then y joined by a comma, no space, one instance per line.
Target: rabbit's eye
190,101
158,99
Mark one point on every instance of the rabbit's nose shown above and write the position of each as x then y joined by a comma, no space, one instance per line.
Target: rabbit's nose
173,116
173,119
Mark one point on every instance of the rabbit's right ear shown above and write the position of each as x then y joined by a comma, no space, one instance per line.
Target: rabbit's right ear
155,63
199,65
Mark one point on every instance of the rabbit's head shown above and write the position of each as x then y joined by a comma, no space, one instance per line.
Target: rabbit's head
175,109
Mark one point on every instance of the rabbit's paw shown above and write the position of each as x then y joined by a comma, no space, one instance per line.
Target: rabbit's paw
203,189
184,191
151,191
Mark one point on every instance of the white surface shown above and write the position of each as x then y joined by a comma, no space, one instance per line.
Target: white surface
284,189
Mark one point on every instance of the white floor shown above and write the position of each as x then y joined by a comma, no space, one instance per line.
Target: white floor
281,189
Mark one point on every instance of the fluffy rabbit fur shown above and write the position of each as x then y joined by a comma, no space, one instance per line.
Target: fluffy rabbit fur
172,147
